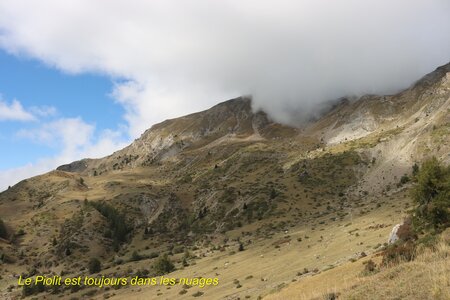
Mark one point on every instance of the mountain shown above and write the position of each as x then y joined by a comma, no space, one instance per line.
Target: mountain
227,179
229,121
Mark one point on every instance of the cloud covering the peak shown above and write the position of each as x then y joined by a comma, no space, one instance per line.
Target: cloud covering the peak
173,57
168,58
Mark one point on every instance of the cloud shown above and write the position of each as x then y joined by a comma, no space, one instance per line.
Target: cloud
145,104
74,138
70,133
43,111
14,112
173,57
12,176
168,58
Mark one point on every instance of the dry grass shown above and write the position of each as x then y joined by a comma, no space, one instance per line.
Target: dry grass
427,277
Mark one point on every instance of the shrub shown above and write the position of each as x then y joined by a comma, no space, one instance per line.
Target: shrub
135,256
142,273
229,195
404,179
117,223
415,169
163,265
331,296
406,232
432,194
3,231
94,266
370,266
178,249
398,252
32,289
90,293
184,262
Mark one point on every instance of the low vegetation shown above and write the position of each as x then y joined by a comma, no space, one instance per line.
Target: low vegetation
418,259
432,196
94,265
164,265
3,231
118,227
425,277
431,193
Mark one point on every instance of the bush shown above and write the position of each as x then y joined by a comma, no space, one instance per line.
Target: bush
32,289
406,232
117,223
404,179
415,169
163,265
135,256
178,249
369,266
94,266
3,232
398,252
197,294
273,193
184,262
331,296
432,194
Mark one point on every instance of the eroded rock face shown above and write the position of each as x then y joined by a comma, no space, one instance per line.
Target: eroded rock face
76,166
393,236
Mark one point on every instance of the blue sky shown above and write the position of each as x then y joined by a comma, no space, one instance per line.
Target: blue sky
36,86
83,78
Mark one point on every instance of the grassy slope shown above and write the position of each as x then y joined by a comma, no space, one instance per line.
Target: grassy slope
272,268
262,260
427,277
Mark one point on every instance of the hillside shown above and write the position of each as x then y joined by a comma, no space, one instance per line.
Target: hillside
300,200
424,278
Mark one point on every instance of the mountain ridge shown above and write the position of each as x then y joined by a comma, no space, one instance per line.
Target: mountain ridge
173,136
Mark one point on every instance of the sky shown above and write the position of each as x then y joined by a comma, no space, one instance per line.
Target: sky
83,78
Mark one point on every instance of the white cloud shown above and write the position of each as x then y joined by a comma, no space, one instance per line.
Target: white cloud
75,138
145,103
12,176
14,112
70,133
173,57
43,111
181,56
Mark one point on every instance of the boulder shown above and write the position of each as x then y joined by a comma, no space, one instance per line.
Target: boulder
393,237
